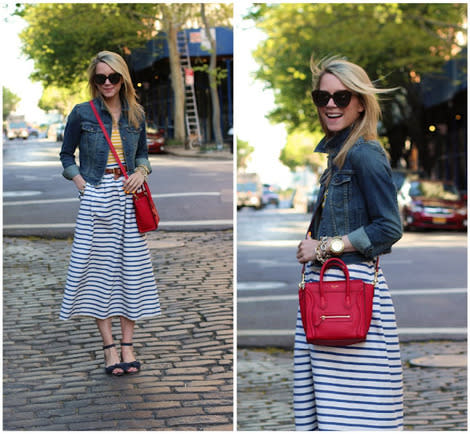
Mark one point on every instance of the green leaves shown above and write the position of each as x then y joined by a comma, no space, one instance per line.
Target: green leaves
395,43
62,38
10,100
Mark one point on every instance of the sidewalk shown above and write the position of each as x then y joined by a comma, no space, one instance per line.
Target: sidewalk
435,397
54,370
198,152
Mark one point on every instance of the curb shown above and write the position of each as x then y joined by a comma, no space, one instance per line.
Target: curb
198,153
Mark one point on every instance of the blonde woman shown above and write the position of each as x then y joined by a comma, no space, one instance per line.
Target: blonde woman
356,387
110,272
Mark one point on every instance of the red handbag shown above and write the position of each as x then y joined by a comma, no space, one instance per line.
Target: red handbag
336,313
146,213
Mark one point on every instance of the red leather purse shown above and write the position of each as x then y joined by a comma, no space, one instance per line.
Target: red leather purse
146,213
336,313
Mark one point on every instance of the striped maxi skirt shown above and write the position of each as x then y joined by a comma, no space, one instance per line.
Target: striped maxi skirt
356,387
110,271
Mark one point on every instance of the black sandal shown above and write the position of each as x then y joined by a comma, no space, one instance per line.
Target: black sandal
127,365
110,369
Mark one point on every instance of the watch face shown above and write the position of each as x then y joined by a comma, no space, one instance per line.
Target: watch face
337,246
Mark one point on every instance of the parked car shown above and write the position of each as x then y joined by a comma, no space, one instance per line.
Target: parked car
60,133
32,132
17,130
155,140
426,203
55,132
269,196
249,191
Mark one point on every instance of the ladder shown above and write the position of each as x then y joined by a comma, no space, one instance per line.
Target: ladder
191,115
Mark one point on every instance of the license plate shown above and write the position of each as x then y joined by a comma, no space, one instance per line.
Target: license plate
439,220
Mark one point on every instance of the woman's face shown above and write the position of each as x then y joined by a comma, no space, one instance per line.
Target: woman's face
338,118
108,89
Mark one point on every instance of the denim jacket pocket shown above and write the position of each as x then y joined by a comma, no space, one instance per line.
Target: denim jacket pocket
133,132
341,186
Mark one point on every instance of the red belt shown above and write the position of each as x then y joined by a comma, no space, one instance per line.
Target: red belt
117,172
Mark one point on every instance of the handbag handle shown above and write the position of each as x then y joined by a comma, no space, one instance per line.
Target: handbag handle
332,262
346,272
106,135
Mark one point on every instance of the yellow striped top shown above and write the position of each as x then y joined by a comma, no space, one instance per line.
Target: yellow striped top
116,140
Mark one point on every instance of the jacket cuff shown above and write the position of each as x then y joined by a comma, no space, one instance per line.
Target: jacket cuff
71,171
361,241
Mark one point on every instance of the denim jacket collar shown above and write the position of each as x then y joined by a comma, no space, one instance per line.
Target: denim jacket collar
332,145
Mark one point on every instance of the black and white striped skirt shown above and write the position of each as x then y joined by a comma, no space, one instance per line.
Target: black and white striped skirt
355,387
110,271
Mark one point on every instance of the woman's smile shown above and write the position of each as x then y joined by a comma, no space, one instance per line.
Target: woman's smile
336,118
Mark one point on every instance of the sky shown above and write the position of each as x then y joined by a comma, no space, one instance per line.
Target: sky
16,68
252,103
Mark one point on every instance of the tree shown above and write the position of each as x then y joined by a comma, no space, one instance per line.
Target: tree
62,38
220,13
10,101
298,151
174,17
395,43
244,150
62,99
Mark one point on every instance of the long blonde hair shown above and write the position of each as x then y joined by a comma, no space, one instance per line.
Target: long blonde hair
356,80
135,114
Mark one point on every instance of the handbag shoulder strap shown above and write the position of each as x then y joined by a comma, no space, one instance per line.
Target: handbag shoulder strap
106,135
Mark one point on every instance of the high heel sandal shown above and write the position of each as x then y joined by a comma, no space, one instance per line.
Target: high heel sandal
128,365
110,369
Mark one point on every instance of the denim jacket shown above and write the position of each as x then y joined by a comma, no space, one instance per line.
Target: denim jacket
360,200
83,130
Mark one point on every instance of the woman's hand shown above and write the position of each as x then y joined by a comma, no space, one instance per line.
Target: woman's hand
306,250
79,182
134,182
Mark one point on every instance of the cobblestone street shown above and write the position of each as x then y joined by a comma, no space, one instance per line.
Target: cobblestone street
435,398
54,370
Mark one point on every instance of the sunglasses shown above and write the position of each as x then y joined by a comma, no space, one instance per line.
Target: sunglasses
341,98
113,78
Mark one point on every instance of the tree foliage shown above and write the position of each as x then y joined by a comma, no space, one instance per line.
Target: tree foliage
10,101
63,99
62,38
244,150
298,150
396,43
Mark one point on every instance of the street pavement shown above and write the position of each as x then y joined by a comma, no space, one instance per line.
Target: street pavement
53,371
193,190
435,395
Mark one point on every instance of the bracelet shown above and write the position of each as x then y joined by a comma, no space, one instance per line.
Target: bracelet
144,170
321,250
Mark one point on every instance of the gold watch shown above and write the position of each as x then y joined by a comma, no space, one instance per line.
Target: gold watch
337,246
